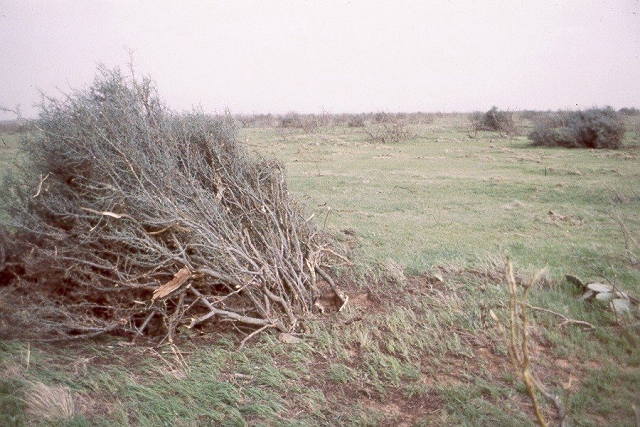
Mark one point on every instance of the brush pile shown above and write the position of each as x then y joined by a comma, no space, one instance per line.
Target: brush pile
128,218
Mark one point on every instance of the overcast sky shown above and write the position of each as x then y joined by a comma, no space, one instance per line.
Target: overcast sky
338,56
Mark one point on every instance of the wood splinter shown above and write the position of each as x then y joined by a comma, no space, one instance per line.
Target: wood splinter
172,285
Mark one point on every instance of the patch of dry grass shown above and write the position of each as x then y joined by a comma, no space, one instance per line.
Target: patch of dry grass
50,403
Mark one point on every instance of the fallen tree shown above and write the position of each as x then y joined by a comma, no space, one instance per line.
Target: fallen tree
128,217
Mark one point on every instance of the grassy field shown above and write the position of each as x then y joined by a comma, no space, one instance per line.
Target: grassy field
428,223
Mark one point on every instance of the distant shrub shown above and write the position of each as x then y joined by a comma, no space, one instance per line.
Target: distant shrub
422,118
629,111
291,120
356,120
532,114
308,123
11,126
593,128
255,120
494,120
380,117
388,129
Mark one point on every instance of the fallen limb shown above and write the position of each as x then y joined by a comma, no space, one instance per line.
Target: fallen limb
94,333
553,398
254,333
42,180
213,311
566,320
334,287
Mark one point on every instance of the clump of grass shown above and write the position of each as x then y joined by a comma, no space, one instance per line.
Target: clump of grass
50,403
11,405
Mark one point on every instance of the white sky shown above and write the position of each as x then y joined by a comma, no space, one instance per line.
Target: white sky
341,56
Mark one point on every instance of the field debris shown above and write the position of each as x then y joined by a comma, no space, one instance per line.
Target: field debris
555,218
288,338
146,204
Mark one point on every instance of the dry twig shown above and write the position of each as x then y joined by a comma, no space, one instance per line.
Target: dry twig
517,344
566,320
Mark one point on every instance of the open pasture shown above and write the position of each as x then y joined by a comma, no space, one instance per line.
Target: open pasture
427,221
445,197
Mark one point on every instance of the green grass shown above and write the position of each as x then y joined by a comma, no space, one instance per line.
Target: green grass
446,196
8,149
416,345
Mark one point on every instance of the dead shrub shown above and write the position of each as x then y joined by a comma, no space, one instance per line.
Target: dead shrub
494,120
356,120
127,217
388,129
308,123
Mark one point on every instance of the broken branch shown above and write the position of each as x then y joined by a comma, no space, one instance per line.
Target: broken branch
566,320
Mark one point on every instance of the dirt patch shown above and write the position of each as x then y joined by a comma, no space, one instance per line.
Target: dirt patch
406,412
362,302
395,407
555,218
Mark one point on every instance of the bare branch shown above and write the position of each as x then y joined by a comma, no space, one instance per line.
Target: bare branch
135,193
566,320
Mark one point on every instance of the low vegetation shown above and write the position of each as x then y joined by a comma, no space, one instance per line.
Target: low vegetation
593,128
494,120
424,223
389,129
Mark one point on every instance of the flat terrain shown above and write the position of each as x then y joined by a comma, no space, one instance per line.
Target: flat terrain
443,196
428,223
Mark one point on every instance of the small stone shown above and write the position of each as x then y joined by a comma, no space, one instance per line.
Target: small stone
288,338
621,306
604,296
600,287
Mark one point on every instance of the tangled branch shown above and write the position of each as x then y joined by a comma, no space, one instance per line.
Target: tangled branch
144,220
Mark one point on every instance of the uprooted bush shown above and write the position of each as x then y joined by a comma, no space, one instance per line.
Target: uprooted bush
129,218
593,128
494,120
